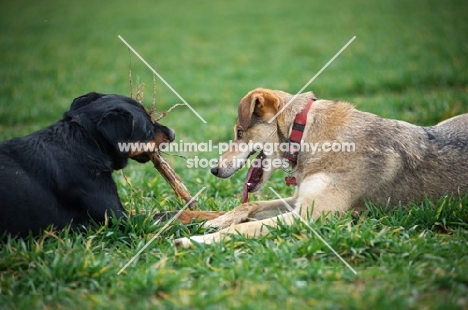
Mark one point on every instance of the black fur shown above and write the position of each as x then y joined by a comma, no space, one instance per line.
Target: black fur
63,174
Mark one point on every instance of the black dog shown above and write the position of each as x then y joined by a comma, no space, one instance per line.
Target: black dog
62,174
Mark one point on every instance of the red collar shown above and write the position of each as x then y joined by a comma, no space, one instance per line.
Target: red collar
297,132
296,137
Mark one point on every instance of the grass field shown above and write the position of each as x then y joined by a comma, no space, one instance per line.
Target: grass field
408,61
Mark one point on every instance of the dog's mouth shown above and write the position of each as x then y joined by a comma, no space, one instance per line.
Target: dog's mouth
141,158
166,137
144,157
254,177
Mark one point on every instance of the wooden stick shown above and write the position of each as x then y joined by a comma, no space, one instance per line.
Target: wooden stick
172,178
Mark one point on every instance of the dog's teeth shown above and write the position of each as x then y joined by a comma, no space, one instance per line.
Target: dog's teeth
248,184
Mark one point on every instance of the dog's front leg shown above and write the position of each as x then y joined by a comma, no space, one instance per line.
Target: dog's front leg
320,194
251,211
249,229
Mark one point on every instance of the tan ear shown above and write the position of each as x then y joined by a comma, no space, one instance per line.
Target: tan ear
261,102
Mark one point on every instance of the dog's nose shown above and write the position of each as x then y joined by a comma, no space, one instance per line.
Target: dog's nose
214,170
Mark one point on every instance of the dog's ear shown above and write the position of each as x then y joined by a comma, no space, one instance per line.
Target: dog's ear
245,111
116,126
261,102
84,100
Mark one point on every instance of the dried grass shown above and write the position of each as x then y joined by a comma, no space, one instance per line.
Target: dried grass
139,96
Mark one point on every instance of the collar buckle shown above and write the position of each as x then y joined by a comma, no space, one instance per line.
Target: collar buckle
293,152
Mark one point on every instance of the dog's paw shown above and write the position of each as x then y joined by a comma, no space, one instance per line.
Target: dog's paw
183,242
187,242
201,239
228,219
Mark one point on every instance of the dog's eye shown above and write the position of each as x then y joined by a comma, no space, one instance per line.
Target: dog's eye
239,134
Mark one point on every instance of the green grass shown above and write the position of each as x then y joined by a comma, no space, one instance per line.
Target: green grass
408,61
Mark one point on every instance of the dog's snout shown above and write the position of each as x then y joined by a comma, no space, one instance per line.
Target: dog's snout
164,132
170,134
214,170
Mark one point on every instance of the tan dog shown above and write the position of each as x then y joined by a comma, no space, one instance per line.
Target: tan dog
358,156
